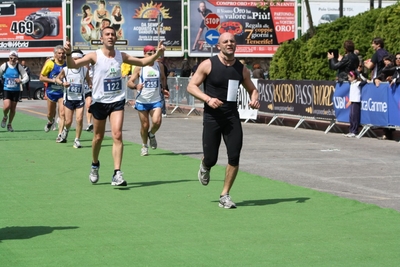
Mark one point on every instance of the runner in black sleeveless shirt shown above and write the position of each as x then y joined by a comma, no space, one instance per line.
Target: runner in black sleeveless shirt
222,75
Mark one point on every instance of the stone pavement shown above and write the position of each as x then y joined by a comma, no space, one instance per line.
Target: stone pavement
366,169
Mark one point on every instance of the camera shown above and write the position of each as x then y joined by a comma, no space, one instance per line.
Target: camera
45,23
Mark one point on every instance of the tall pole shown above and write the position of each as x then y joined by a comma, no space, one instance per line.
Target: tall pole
68,18
299,16
159,20
185,29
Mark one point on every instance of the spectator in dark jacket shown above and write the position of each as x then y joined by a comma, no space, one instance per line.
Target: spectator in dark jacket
387,71
376,63
344,64
258,72
395,77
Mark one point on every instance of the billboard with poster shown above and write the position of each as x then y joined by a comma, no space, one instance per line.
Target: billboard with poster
326,11
258,32
138,23
33,28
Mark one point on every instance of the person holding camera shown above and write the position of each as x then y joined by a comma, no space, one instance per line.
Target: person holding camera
26,85
344,64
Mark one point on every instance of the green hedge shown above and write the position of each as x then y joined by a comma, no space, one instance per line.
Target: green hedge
306,57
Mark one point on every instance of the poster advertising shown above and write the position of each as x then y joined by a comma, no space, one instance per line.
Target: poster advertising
301,98
258,32
326,11
32,28
137,24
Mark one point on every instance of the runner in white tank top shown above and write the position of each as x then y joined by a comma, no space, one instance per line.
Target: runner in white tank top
107,81
151,84
108,96
74,81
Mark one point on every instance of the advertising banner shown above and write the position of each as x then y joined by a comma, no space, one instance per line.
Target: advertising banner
374,104
258,32
137,23
33,28
326,11
341,102
301,98
394,105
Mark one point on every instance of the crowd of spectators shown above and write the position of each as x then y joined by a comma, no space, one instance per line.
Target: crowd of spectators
381,67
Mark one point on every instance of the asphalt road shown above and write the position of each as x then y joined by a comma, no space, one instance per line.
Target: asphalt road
366,169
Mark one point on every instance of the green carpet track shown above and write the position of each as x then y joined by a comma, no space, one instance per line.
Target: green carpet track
51,215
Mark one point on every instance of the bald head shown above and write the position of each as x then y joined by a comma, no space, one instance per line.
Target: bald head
227,45
226,36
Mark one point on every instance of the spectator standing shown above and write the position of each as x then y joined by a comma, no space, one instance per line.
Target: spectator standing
222,75
166,89
258,72
387,70
11,73
395,78
88,100
355,107
376,63
186,71
344,64
26,85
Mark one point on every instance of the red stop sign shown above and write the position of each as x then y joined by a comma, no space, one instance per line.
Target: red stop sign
212,21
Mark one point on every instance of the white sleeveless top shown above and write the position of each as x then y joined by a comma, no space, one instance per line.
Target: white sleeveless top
76,78
151,79
87,89
107,82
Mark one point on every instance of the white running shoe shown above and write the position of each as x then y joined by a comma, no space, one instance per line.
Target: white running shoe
47,127
89,128
118,180
226,202
64,133
94,174
204,174
144,151
59,139
77,144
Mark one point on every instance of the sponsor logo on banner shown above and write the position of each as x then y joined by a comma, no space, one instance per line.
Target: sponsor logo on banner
137,24
32,28
302,98
257,31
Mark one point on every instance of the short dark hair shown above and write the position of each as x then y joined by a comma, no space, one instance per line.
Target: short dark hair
108,27
378,41
348,46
